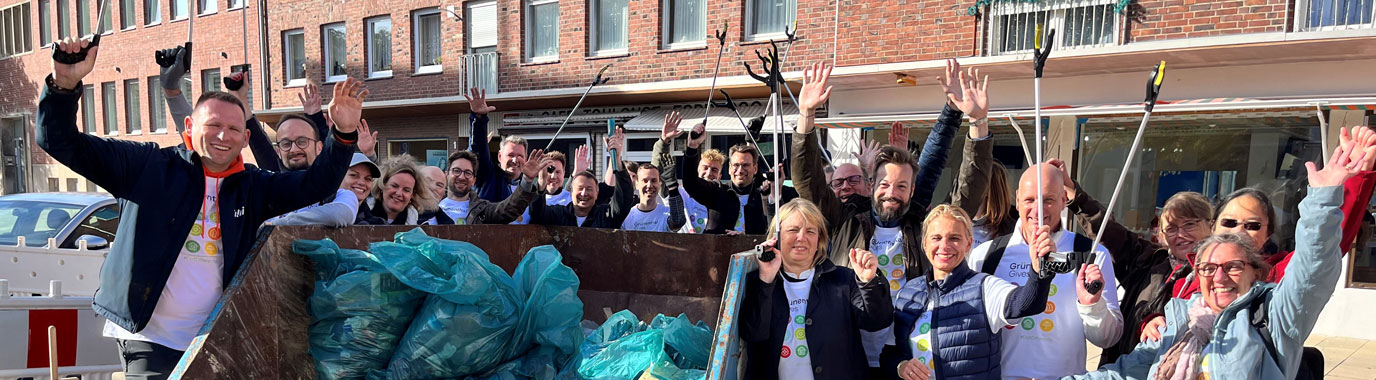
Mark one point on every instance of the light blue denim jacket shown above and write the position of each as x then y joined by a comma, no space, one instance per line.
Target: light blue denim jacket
1236,350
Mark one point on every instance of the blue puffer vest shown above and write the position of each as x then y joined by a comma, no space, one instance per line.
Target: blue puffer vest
966,348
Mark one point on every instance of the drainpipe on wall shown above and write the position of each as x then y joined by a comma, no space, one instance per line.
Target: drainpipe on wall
264,70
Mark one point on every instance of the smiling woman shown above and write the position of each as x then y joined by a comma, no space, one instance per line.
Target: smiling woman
399,196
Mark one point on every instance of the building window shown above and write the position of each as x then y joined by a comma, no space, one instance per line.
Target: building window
1078,24
63,25
236,4
686,23
126,14
206,6
88,107
186,89
482,27
426,47
157,106
336,49
83,18
769,18
294,50
106,23
542,30
15,30
179,9
71,184
1334,14
45,33
379,47
152,11
132,117
107,99
210,80
609,19
53,183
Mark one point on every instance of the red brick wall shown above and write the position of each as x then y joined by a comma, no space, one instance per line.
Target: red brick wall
874,32
1158,20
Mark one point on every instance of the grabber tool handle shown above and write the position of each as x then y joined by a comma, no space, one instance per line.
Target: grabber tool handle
74,58
599,79
1041,48
1158,76
230,82
721,34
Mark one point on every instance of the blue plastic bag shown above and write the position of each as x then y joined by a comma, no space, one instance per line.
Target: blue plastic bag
623,348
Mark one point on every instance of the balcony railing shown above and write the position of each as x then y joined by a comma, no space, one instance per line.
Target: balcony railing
1079,24
480,70
1321,15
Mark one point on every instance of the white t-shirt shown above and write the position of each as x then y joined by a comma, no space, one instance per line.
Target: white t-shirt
887,246
656,220
1060,329
795,361
457,210
581,219
696,213
194,286
996,293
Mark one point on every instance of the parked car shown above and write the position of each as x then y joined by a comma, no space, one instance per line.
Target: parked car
66,217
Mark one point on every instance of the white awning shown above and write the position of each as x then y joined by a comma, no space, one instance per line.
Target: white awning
720,121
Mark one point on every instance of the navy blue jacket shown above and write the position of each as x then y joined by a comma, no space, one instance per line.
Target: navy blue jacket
491,182
838,307
167,186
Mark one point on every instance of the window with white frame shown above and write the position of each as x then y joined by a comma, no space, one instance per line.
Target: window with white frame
236,4
769,18
126,14
157,108
179,8
609,27
206,6
1315,15
83,18
685,23
336,49
542,30
64,27
1078,24
107,99
379,47
426,44
133,119
105,23
45,33
482,27
88,108
16,30
210,80
152,11
294,57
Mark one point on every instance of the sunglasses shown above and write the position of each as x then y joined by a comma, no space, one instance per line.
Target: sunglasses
839,182
1232,223
1231,268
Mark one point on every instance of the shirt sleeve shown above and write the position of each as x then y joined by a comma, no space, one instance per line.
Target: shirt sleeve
996,292
339,212
976,258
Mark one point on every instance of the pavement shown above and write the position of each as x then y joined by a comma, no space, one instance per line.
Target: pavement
1343,358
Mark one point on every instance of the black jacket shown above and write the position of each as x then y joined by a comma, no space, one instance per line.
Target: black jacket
722,201
608,215
482,211
166,189
838,307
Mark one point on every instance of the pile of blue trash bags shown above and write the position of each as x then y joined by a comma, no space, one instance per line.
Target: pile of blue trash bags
420,307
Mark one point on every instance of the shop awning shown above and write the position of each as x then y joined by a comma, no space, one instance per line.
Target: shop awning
721,120
919,119
554,121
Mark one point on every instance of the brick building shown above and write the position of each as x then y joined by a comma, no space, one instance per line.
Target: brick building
1246,85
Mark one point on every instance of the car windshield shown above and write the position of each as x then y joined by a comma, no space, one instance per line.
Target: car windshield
35,221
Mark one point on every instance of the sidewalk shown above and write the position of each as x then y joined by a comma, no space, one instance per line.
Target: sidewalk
1343,358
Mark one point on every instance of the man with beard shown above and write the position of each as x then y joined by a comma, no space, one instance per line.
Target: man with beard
902,187
464,208
585,211
297,146
494,183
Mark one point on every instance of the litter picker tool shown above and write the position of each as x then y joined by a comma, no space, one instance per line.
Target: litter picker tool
1323,127
166,59
792,35
1041,49
599,79
73,58
731,105
721,48
231,83
771,78
1158,75
1022,139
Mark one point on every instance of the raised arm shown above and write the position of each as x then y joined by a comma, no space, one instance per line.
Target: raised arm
293,190
171,79
477,137
809,176
339,212
513,206
704,191
1357,194
1124,245
970,94
663,159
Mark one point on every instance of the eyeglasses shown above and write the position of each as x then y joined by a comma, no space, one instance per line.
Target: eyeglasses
1232,268
303,142
462,173
1187,227
839,182
1232,223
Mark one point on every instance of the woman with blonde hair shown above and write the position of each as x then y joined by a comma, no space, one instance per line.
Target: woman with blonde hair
399,197
947,321
802,315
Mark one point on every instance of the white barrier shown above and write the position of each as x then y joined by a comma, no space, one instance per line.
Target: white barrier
30,268
24,321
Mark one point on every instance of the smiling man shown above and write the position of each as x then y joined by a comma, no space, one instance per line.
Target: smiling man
192,213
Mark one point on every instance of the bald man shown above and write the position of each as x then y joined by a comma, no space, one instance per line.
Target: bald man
1063,328
849,180
436,216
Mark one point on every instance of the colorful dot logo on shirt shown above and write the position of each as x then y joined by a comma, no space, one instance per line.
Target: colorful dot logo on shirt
896,274
799,319
1028,324
898,259
200,215
802,351
922,359
214,233
926,327
786,353
883,260
1050,307
1047,325
196,229
923,345
893,285
211,249
192,246
800,334
1053,291
215,217
1203,376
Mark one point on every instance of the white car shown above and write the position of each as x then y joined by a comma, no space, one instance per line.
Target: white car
66,217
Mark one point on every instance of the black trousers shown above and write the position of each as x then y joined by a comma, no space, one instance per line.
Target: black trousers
147,360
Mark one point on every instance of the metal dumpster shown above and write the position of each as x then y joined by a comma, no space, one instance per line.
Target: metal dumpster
258,329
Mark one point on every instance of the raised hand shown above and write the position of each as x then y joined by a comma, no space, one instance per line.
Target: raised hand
898,135
242,93
869,151
310,99
671,131
477,101
1088,273
66,76
346,107
1066,182
701,130
1340,167
617,141
1152,331
581,161
769,270
965,91
864,264
1041,246
1360,140
816,90
536,161
367,139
